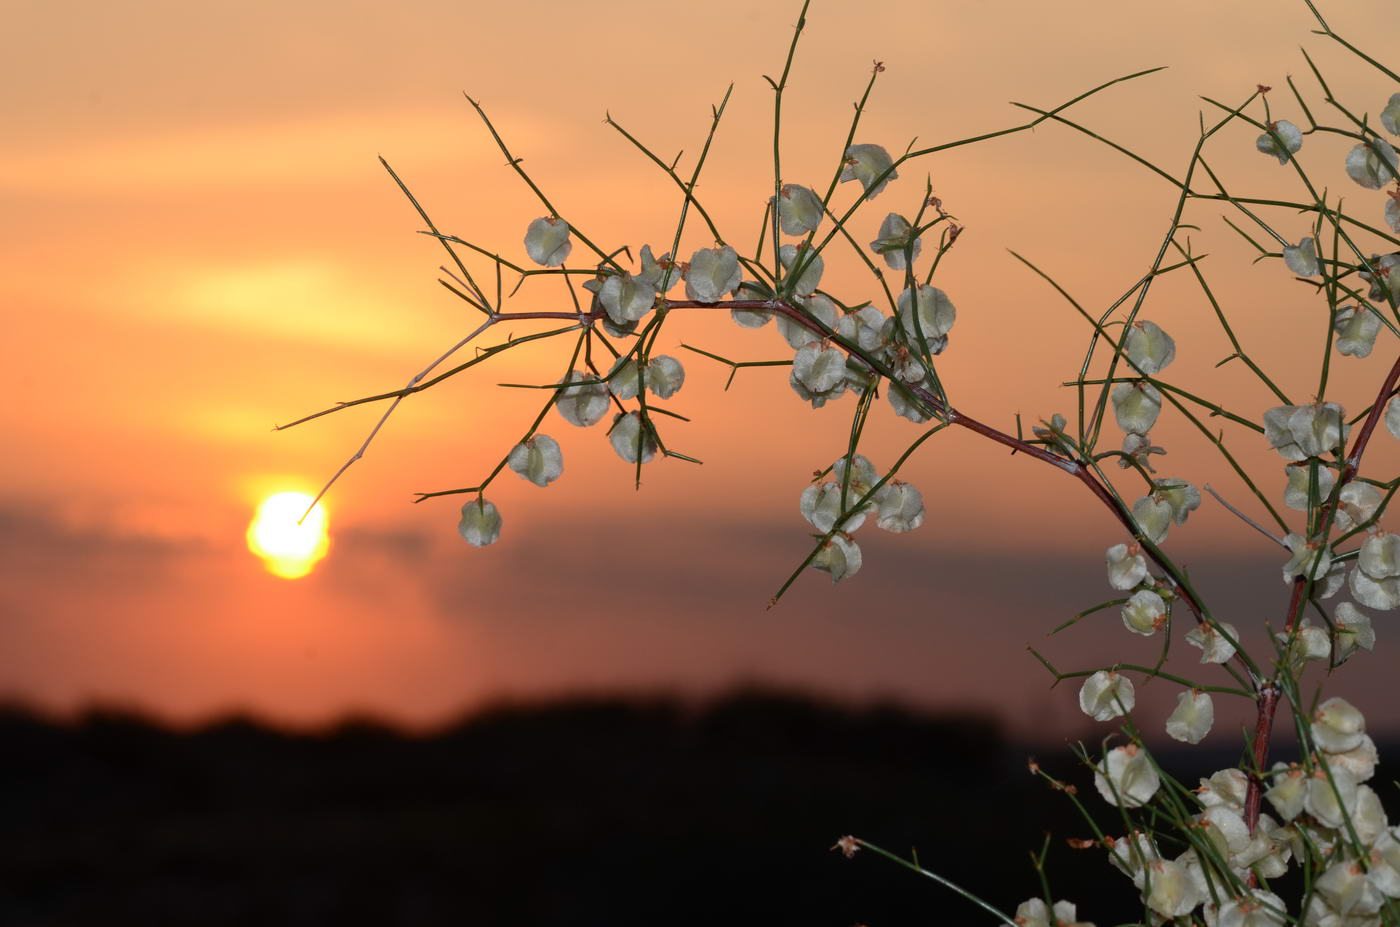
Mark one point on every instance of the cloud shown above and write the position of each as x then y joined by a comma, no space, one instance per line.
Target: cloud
316,150
34,536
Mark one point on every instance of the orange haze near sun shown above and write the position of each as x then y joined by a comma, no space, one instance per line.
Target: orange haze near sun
199,243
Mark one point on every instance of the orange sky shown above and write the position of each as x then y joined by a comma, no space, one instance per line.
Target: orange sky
199,242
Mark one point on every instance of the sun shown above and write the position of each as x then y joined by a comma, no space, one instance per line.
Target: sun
288,549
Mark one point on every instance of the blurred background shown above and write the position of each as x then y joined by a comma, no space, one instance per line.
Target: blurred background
199,243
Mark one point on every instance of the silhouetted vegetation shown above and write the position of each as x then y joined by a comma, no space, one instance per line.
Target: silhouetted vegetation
611,811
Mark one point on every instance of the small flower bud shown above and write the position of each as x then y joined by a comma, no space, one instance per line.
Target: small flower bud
538,459
1132,855
624,380
1106,695
1383,594
1337,726
863,475
1310,558
1193,717
817,398
625,330
1214,647
1153,517
1318,428
819,367
926,311
632,438
547,241
867,327
1301,258
1295,496
1289,791
1180,495
1358,504
793,256
1288,141
901,507
821,505
480,524
905,405
1257,909
1356,328
1372,164
1054,430
626,298
1353,631
1360,760
1345,888
818,307
859,377
752,318
661,275
1385,863
1033,913
799,209
1147,346
894,239
1225,828
1172,892
714,272
1136,406
1390,116
867,163
1127,779
1126,566
1310,643
1385,283
1278,434
665,376
839,556
1144,613
1369,818
1140,448
1227,787
1380,556
585,404
1335,579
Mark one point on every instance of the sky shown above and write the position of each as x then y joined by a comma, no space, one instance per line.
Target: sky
198,242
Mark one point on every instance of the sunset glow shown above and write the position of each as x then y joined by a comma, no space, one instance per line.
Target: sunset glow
246,260
289,549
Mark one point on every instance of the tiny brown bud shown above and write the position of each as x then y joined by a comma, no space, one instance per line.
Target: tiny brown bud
847,845
1080,843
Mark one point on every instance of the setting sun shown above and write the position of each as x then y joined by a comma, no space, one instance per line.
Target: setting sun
288,549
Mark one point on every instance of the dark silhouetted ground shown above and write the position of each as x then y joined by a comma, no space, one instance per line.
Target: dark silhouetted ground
589,812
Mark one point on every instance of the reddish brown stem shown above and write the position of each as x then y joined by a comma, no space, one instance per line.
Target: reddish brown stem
1267,700
1074,468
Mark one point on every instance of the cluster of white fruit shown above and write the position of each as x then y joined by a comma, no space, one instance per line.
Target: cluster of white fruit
1327,812
813,326
1372,163
835,507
